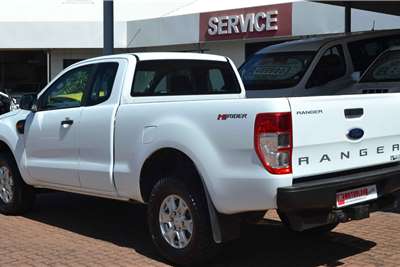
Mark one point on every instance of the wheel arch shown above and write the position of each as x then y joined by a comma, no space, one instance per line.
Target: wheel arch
224,227
5,147
17,156
164,161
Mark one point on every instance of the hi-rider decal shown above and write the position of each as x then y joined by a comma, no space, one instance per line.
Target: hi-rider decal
224,117
346,155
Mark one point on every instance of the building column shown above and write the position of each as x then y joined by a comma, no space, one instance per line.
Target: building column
108,27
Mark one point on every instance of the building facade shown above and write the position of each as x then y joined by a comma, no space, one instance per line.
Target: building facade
34,52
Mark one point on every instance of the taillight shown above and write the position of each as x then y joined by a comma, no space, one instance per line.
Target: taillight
273,141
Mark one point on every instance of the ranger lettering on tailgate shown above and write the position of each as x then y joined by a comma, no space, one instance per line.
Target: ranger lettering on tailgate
346,155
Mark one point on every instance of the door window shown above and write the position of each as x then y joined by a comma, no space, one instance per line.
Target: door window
331,66
68,91
103,82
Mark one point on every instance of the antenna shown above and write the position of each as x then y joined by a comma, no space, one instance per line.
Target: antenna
373,26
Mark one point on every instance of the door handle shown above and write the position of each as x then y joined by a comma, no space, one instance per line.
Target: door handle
352,113
67,122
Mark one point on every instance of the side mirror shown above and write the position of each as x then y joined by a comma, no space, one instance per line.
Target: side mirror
28,102
355,76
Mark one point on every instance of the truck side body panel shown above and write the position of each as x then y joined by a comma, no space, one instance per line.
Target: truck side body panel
216,134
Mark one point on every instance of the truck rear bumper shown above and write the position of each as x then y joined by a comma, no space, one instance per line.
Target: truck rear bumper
311,201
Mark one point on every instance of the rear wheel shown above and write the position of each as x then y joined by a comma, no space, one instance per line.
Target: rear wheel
179,222
16,197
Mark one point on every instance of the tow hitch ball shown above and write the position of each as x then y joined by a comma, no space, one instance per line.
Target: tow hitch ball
354,213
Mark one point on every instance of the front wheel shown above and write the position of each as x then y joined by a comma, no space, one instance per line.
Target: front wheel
179,222
16,197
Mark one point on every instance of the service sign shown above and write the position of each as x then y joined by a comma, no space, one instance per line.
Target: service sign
245,23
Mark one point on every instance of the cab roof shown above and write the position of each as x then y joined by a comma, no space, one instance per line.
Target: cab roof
178,55
313,44
159,56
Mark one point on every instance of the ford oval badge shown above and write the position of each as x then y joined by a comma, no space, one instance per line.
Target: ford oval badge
355,134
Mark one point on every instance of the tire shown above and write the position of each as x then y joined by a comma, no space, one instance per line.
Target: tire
320,230
199,245
16,197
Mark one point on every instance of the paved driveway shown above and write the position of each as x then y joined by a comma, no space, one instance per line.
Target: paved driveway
71,230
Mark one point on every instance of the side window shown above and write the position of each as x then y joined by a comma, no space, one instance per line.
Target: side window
331,66
365,51
103,83
184,77
68,91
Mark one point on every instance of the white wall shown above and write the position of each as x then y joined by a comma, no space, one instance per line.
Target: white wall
171,48
311,18
163,31
84,10
124,10
232,49
364,20
235,50
44,35
58,56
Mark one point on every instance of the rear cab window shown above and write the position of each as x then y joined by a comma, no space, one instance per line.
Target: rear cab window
184,77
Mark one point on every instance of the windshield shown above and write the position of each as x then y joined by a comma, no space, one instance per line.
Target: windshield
385,69
275,70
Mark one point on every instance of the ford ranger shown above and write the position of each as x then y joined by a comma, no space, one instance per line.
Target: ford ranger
175,131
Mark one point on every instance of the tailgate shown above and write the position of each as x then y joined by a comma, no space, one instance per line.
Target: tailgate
337,133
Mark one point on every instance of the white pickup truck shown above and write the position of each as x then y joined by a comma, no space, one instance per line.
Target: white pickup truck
175,131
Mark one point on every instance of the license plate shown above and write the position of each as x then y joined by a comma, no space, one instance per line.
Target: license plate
357,195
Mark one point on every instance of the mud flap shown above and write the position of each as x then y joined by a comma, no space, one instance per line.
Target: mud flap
224,227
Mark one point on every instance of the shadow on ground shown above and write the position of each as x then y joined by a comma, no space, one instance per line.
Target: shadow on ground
396,209
123,224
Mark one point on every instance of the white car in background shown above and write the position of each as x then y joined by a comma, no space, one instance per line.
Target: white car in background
383,76
314,66
7,103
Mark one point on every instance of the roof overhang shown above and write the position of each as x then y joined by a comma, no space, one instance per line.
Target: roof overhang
386,7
